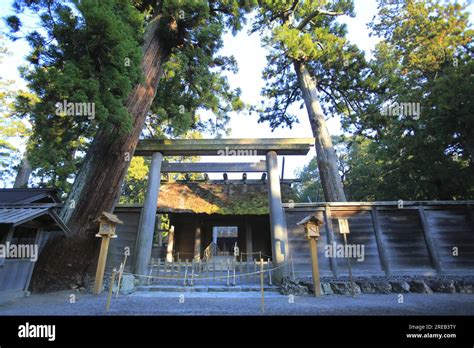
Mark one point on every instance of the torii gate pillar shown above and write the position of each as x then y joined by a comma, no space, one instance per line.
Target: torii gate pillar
279,235
146,227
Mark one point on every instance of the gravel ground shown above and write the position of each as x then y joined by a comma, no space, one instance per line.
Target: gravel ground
156,303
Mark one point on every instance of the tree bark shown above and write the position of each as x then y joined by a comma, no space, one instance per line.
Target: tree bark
325,153
23,174
96,189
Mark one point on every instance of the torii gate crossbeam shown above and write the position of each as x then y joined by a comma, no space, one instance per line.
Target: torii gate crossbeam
218,147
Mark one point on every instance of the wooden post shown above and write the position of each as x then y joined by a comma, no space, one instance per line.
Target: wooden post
249,270
122,268
150,272
249,277
349,267
197,244
221,268
185,273
233,267
379,241
99,274
270,266
430,243
39,237
228,273
192,272
330,238
312,225
240,268
214,270
107,225
292,269
269,272
315,267
111,286
261,284
254,270
179,269
169,248
158,230
344,230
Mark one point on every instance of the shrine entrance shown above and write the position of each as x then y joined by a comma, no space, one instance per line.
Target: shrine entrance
222,238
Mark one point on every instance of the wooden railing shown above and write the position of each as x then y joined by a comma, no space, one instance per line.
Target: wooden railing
201,272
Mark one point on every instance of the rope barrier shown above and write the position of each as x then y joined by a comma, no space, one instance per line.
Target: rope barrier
255,253
213,278
261,272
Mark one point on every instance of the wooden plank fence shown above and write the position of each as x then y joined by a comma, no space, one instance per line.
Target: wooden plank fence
435,237
409,238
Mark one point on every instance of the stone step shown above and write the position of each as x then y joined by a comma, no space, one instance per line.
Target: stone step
206,288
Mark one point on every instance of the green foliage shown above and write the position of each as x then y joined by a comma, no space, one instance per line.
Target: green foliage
134,188
136,180
194,82
365,179
89,51
307,31
425,58
310,188
84,52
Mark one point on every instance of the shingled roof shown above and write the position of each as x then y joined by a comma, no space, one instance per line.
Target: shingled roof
218,197
29,195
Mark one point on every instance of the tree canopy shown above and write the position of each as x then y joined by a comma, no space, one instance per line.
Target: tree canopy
411,137
89,51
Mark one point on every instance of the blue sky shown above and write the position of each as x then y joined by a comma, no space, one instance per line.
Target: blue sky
251,60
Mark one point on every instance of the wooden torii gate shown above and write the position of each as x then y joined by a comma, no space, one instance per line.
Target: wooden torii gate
270,148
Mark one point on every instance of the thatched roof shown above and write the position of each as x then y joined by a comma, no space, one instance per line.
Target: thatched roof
218,197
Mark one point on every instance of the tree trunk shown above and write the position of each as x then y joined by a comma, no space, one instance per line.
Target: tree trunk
325,153
23,174
97,186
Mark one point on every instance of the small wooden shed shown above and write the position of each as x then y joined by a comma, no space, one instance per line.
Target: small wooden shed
27,216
